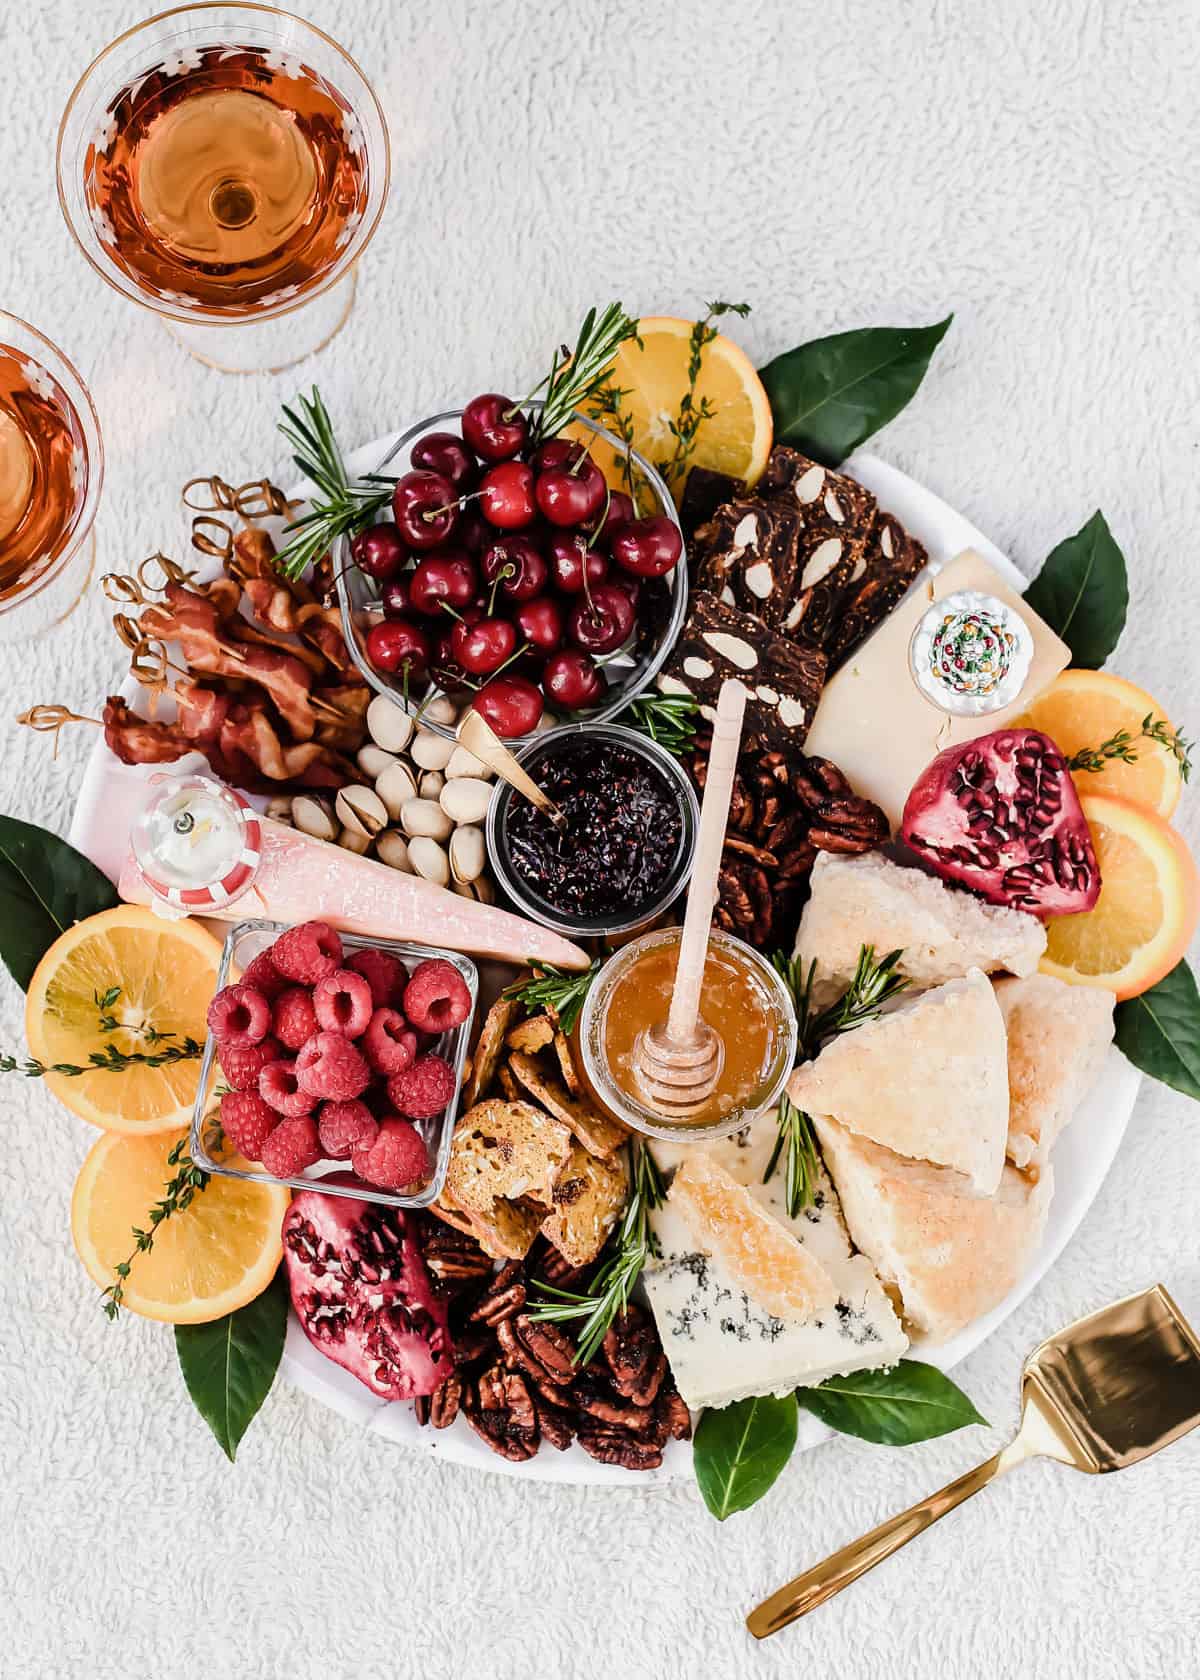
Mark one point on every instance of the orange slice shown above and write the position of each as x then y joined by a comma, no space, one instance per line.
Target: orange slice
736,439
167,974
211,1258
754,1248
1082,709
1146,914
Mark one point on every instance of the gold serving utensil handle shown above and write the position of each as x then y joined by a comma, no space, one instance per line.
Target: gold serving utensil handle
824,1580
476,734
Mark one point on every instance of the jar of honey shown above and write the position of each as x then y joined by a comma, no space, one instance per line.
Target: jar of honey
743,1000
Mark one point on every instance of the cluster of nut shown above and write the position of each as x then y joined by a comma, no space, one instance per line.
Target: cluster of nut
515,1379
785,808
420,808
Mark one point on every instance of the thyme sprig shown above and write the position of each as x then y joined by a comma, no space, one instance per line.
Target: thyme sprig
871,986
685,427
178,1194
1122,746
108,1060
574,380
605,408
340,506
556,989
626,1254
669,719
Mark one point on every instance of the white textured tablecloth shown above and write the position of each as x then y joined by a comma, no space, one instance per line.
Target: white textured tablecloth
1032,167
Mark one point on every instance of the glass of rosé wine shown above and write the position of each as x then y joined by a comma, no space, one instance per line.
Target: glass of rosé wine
51,468
226,167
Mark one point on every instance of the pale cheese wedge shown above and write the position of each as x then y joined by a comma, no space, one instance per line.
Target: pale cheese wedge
1058,1040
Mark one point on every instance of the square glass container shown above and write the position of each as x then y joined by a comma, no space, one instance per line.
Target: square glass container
248,940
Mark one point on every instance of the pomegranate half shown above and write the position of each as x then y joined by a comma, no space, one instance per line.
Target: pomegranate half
1000,815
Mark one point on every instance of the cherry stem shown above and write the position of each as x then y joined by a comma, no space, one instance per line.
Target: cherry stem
506,571
600,523
515,654
430,514
454,613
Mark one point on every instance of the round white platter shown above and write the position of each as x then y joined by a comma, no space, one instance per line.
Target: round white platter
110,795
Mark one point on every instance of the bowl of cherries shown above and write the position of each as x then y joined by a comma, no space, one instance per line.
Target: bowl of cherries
512,576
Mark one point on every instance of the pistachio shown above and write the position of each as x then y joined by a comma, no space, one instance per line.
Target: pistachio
373,761
430,751
431,784
280,808
314,815
481,890
466,799
441,710
467,853
429,860
464,763
362,811
350,841
392,848
395,787
389,725
425,816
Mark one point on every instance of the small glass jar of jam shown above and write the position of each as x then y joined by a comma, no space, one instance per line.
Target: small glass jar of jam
626,851
742,999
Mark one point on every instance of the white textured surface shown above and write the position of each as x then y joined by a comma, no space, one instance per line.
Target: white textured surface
1032,167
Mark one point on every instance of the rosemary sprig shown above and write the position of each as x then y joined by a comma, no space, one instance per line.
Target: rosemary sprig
553,988
179,1191
340,506
108,1060
573,381
871,986
692,414
1121,745
669,719
627,1252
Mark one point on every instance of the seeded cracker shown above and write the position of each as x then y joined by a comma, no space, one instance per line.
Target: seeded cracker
783,680
890,562
488,1049
750,558
598,1134
835,515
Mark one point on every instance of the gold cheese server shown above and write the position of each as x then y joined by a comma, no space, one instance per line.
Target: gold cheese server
476,734
1105,1393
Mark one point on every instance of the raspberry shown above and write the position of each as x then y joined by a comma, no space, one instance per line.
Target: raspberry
239,1015
264,977
437,998
424,1089
291,1147
385,974
308,952
389,1043
247,1122
396,1158
278,1084
241,1064
343,1003
345,1127
295,1019
330,1066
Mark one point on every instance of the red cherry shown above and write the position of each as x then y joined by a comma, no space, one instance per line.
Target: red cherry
558,452
604,622
482,648
395,597
506,496
647,547
449,577
540,621
570,495
619,512
572,680
379,552
571,560
494,427
446,453
397,642
425,506
517,565
628,585
473,531
512,705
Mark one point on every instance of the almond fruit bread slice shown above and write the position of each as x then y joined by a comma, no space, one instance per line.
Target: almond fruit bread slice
929,1080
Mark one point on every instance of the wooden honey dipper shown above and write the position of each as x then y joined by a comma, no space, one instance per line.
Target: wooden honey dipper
677,1062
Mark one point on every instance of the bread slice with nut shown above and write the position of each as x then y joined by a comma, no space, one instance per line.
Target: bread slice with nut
588,1199
505,1150
596,1132
488,1049
504,1232
1058,1039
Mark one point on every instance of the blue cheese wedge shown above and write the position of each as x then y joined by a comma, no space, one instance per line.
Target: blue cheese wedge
721,1345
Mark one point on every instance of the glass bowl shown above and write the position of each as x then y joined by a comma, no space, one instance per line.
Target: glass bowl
629,671
245,942
634,1113
558,742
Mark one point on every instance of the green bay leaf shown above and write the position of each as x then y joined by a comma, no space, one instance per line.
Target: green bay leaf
894,1408
230,1364
45,887
1082,592
1160,1031
830,395
740,1450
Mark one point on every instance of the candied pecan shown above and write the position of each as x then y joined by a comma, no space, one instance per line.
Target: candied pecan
445,1401
673,1412
499,1304
742,812
472,1345
757,854
452,1256
559,1271
632,1352
555,1422
499,1409
554,1352
745,906
614,1446
592,1395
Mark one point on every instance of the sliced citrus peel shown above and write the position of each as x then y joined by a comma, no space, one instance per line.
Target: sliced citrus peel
726,1221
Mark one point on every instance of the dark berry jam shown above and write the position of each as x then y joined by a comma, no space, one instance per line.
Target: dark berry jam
622,839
